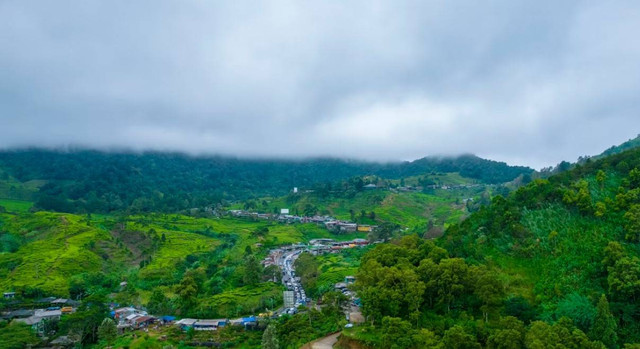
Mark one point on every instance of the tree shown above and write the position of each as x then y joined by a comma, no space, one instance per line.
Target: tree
252,271
624,278
310,210
270,338
457,338
107,331
272,273
261,232
601,177
84,323
632,223
510,334
157,302
600,209
490,291
541,336
579,196
426,339
17,336
579,309
383,232
187,290
395,333
604,325
359,184
612,253
451,280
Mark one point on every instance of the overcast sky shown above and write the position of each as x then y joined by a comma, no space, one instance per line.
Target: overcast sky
526,82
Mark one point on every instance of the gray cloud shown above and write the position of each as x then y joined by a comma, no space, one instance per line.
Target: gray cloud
529,83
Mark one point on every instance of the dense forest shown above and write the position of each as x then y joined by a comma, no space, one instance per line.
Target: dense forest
90,181
553,265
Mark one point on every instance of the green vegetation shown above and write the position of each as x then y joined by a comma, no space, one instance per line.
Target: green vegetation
18,206
95,182
319,274
554,263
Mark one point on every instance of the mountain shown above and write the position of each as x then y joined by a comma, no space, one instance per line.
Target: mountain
566,240
616,149
554,264
91,181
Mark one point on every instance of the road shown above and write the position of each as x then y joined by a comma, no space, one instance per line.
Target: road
323,343
290,280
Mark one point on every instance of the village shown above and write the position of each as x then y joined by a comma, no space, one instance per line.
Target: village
129,318
330,223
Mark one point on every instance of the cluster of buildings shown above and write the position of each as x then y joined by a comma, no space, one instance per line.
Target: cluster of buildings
331,223
49,309
249,214
215,324
132,318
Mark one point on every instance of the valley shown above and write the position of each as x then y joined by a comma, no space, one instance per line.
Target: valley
423,261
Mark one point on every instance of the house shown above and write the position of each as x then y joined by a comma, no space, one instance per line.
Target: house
360,242
235,322
331,225
340,286
65,302
205,325
122,313
48,314
320,241
209,325
20,314
130,320
186,323
347,227
9,295
143,321
370,186
37,320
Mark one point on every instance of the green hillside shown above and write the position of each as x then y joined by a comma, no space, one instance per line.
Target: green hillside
616,149
48,248
555,264
98,182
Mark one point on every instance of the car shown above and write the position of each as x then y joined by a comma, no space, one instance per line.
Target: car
349,325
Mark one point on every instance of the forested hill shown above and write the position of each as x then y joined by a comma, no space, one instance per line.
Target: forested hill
564,242
630,144
92,181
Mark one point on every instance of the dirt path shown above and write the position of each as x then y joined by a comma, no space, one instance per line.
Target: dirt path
323,343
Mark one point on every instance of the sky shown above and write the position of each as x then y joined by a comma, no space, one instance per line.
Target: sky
526,82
